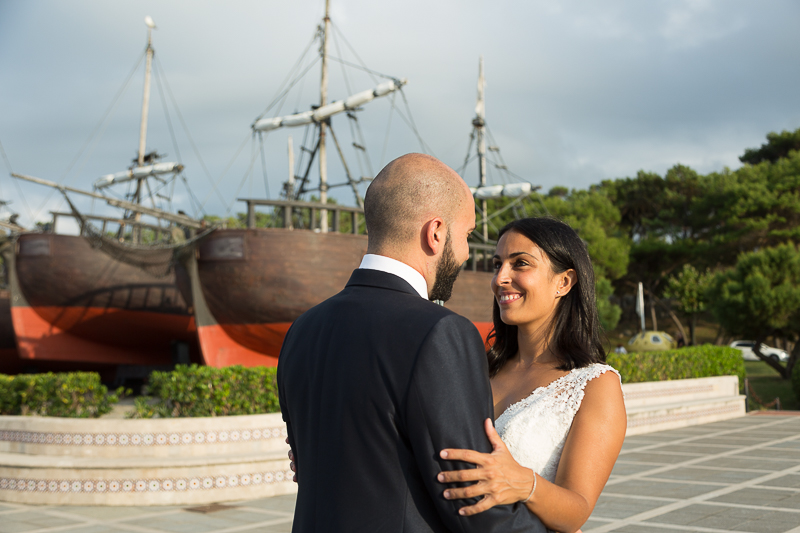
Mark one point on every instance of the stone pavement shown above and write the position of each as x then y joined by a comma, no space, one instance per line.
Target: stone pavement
741,475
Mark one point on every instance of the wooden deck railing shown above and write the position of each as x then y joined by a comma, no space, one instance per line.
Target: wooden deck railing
292,212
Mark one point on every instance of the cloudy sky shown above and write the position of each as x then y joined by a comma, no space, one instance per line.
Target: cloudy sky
577,91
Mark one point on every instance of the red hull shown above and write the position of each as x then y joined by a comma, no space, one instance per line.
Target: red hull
247,286
99,335
72,302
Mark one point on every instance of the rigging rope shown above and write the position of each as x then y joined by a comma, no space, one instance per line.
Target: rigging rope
296,66
388,125
241,184
224,172
362,65
463,167
16,183
344,72
103,119
156,71
189,136
410,121
263,164
199,208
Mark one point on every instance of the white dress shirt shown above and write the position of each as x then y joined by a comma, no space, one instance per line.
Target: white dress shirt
393,266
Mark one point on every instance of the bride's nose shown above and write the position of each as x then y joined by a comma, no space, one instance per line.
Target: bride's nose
501,275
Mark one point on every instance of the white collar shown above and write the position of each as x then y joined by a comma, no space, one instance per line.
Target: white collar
398,268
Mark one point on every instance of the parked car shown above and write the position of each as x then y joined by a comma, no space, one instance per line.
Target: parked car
746,347
651,341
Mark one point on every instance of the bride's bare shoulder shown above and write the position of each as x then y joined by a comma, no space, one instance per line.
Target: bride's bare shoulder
604,392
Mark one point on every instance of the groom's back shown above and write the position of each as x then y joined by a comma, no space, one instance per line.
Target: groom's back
344,375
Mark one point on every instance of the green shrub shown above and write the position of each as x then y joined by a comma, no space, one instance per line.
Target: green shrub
70,395
702,361
207,391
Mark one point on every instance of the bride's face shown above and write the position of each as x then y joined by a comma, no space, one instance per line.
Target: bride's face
524,285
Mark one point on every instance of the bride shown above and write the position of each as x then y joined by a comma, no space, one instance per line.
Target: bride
560,415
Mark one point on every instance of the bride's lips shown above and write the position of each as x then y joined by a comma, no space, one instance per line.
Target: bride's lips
505,298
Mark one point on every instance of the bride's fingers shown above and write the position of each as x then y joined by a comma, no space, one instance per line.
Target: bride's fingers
468,456
486,503
473,474
473,491
495,440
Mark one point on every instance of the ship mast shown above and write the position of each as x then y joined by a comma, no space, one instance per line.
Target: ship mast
478,123
143,127
323,92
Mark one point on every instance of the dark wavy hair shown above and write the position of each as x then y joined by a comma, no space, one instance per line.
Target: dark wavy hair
575,329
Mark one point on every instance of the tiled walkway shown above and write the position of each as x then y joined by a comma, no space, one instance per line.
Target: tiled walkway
738,475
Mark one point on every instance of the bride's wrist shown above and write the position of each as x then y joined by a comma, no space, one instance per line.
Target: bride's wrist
533,483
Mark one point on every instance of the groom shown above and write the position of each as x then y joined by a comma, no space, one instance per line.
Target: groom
376,380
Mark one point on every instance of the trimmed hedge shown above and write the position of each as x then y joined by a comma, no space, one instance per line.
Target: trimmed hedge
702,361
193,390
69,395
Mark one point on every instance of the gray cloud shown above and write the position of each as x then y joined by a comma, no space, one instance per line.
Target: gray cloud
577,91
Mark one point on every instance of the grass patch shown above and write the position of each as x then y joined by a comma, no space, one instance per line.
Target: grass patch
768,385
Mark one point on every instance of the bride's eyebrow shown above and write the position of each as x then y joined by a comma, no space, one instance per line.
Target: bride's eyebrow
517,254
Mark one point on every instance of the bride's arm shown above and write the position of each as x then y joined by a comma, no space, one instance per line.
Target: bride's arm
592,446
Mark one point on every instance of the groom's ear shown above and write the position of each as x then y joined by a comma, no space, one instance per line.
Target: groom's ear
434,235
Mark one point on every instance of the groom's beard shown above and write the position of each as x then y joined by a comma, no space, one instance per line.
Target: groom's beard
446,273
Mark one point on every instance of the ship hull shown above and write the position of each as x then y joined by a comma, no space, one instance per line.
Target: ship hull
73,302
248,286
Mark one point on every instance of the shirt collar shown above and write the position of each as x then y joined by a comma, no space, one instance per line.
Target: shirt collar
400,269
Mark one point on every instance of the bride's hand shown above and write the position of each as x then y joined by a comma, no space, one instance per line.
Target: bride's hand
500,479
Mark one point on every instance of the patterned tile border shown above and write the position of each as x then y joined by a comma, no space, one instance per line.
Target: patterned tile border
182,438
695,389
121,486
645,421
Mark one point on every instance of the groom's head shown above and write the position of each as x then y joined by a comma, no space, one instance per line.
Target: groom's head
419,211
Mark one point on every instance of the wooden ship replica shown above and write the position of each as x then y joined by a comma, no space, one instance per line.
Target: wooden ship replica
249,285
94,298
221,296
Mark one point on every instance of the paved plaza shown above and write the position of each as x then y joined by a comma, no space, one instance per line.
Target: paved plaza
738,475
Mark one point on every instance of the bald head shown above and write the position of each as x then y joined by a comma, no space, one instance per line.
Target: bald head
407,193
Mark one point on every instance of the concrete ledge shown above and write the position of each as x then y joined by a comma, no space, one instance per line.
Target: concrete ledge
659,405
58,461
61,461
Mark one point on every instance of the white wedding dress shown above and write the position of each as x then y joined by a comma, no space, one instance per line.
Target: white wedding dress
535,428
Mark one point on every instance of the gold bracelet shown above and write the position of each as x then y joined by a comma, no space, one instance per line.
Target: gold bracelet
533,489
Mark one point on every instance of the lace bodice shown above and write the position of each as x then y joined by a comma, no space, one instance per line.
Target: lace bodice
535,428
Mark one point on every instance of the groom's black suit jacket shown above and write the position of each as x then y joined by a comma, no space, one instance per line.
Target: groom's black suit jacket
374,383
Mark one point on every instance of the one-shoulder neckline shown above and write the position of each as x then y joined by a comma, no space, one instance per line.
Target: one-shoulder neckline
545,387
537,389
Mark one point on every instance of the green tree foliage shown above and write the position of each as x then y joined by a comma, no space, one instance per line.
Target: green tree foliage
778,145
705,220
238,221
760,297
596,220
688,289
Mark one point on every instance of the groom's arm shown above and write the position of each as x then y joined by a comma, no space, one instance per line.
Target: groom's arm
449,398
